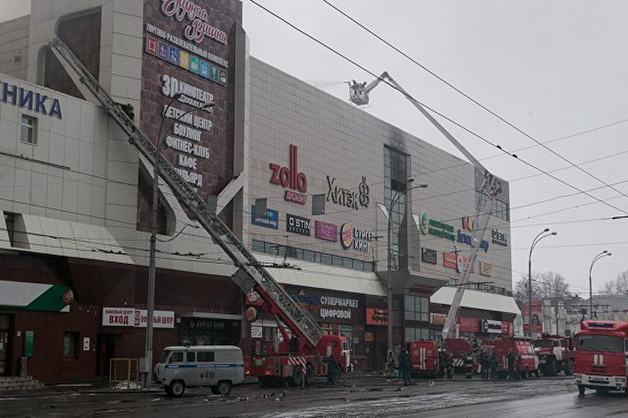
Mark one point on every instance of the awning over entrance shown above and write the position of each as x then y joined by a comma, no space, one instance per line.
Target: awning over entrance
38,234
320,276
477,300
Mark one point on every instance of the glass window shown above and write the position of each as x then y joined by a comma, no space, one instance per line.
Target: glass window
417,308
70,339
205,356
176,357
28,130
190,357
601,343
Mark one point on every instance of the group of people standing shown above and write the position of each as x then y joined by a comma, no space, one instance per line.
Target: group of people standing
489,365
405,366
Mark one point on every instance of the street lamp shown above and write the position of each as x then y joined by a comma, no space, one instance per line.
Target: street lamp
150,306
603,254
393,200
543,234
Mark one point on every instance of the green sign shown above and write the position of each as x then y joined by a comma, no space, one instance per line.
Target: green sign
29,337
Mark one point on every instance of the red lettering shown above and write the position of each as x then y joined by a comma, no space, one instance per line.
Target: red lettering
295,197
274,179
290,176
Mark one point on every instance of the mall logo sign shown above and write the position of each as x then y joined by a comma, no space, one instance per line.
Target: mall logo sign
346,197
358,239
198,17
499,238
289,177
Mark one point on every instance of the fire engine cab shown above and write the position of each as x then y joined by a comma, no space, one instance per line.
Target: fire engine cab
600,361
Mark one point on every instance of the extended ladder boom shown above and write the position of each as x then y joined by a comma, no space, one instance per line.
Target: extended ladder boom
489,188
251,275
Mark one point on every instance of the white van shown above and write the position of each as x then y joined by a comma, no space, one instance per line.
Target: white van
218,366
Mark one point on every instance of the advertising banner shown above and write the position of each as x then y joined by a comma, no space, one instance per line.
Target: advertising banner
136,318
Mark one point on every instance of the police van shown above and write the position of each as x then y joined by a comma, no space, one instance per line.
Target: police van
217,366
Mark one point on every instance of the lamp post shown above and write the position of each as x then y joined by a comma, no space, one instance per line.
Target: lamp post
603,254
394,200
150,305
543,234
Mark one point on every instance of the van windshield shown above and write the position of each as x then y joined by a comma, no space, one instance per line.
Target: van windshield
164,357
604,343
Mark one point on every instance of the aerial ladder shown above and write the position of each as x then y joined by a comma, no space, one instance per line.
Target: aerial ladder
251,274
490,188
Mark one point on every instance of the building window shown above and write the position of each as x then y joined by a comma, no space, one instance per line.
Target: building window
70,340
28,130
501,209
396,175
414,334
417,308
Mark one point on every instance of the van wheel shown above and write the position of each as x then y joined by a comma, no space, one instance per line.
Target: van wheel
223,388
177,388
297,377
551,367
581,389
309,375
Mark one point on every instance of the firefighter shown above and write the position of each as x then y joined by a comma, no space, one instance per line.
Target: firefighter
510,358
332,370
390,365
468,365
405,366
493,365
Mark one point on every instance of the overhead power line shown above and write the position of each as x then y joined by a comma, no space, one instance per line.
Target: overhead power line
516,128
346,58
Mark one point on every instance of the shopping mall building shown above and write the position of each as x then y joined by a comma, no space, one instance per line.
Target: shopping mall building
306,180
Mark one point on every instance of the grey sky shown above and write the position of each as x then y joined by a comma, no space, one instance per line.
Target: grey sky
552,69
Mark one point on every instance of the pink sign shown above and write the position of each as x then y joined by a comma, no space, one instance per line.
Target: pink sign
326,231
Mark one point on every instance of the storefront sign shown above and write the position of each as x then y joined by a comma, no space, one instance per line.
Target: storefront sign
326,231
469,324
198,18
137,318
298,225
330,306
348,198
376,316
291,178
270,219
436,228
450,260
468,223
159,43
429,256
467,239
28,99
508,328
357,239
499,238
490,326
437,318
251,314
486,269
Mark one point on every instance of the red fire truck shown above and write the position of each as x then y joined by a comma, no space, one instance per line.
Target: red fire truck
424,357
519,346
292,364
556,353
600,361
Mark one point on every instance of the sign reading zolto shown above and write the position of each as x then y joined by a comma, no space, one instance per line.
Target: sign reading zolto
137,318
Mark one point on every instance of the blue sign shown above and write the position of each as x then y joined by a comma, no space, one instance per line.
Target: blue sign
204,69
174,55
268,220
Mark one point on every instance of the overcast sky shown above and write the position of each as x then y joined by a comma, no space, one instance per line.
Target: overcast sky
556,70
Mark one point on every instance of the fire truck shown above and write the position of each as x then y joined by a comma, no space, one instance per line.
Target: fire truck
600,361
424,358
520,346
556,354
302,353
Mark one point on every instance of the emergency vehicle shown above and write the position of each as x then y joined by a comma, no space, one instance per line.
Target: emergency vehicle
600,361
459,348
424,358
556,354
519,346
